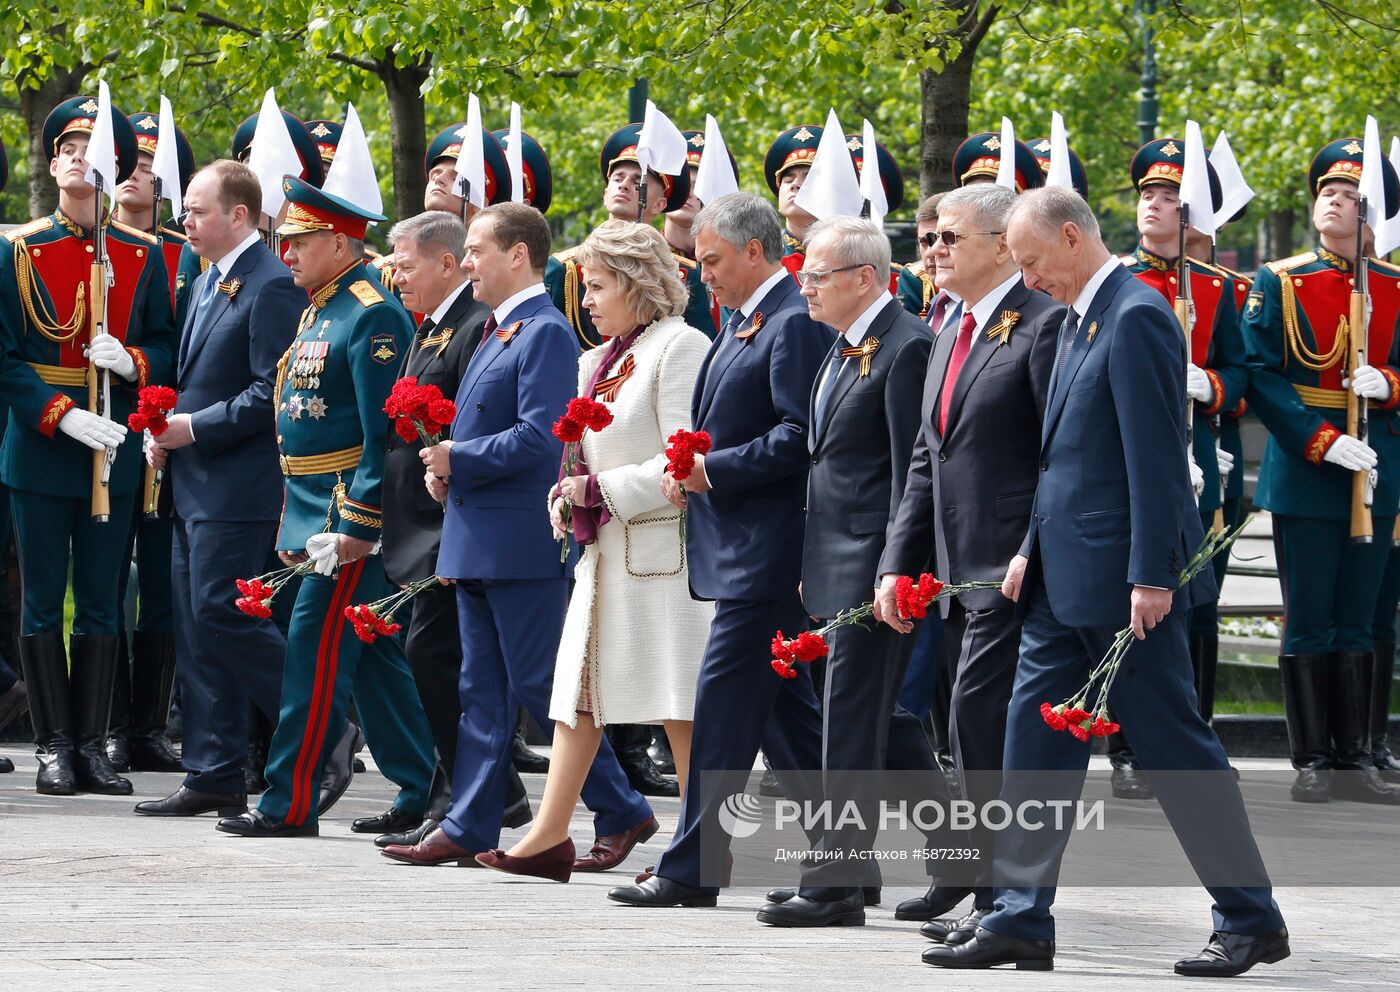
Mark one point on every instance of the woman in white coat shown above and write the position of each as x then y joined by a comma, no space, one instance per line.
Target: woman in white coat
633,637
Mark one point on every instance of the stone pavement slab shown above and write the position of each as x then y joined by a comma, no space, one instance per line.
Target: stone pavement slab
96,899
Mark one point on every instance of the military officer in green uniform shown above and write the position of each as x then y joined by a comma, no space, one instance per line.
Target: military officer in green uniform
785,167
1216,379
145,677
1296,329
330,390
47,341
622,185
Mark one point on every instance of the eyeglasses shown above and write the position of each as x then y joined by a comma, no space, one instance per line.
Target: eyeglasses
950,238
818,278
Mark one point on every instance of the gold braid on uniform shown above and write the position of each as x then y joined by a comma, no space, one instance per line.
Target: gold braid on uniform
572,271
1308,358
47,322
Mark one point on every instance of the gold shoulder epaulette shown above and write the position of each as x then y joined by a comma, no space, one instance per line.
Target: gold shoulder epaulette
1127,260
683,261
1284,264
364,291
567,255
915,268
1214,270
897,268
170,234
25,230
380,261
146,236
1386,267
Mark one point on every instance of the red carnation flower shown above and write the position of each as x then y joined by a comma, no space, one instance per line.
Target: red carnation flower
1079,732
809,646
137,422
783,669
781,648
442,411
404,428
589,412
1052,718
682,447
1102,728
568,430
1075,715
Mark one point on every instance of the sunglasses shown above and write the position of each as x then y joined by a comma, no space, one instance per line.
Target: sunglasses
950,238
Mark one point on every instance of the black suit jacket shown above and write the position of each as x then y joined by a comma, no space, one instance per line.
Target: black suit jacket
860,452
225,379
412,518
969,492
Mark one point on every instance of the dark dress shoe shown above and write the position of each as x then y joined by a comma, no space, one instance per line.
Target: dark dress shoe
870,893
555,863
6,765
950,931
256,823
660,752
1127,783
409,837
650,870
517,814
987,949
610,851
769,785
939,900
392,820
658,893
189,802
119,752
434,849
526,761
1230,954
799,911
340,769
151,752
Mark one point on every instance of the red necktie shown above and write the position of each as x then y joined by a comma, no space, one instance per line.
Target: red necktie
940,310
955,363
488,329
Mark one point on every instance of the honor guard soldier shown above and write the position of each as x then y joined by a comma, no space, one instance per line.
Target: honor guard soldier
1216,379
623,200
1078,177
136,738
326,134
440,168
978,160
677,226
785,167
51,328
892,180
1298,326
534,167
330,391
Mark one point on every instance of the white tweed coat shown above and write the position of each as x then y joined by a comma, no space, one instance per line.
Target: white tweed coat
631,615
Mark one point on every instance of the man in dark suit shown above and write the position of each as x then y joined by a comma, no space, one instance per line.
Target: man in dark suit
220,456
511,587
1113,523
428,275
971,482
865,416
744,526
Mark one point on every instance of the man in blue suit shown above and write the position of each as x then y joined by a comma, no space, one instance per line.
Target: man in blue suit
512,589
220,458
745,514
1113,524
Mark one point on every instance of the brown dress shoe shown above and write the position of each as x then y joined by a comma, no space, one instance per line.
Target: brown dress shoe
610,851
435,849
553,864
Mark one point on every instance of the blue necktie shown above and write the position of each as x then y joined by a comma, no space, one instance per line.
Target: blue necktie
1067,332
827,389
201,308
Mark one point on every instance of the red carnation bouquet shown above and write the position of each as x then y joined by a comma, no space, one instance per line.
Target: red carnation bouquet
582,414
153,405
255,597
373,619
1072,715
912,598
419,412
681,449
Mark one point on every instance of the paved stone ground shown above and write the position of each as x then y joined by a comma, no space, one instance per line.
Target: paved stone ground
97,899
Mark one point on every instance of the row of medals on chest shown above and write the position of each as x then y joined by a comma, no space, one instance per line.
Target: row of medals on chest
308,362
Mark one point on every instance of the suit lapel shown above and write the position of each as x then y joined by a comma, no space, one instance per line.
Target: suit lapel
221,301
493,347
1083,341
981,352
731,347
420,357
846,377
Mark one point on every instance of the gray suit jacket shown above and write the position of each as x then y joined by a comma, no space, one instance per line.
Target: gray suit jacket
969,492
860,450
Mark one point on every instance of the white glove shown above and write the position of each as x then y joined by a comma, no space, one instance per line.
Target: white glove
1198,478
1198,385
107,352
1225,460
1351,454
324,552
90,429
1369,383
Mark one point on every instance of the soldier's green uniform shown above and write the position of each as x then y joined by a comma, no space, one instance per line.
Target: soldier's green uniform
331,388
1296,333
45,268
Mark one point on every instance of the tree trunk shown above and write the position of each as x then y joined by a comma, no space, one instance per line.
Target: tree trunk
1276,235
35,104
945,97
408,120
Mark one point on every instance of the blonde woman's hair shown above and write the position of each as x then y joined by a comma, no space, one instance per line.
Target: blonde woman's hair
641,260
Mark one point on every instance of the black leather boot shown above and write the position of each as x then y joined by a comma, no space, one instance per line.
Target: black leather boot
660,751
1356,777
46,676
1205,658
259,737
90,687
1382,673
152,682
1127,780
630,742
1305,698
118,742
526,761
